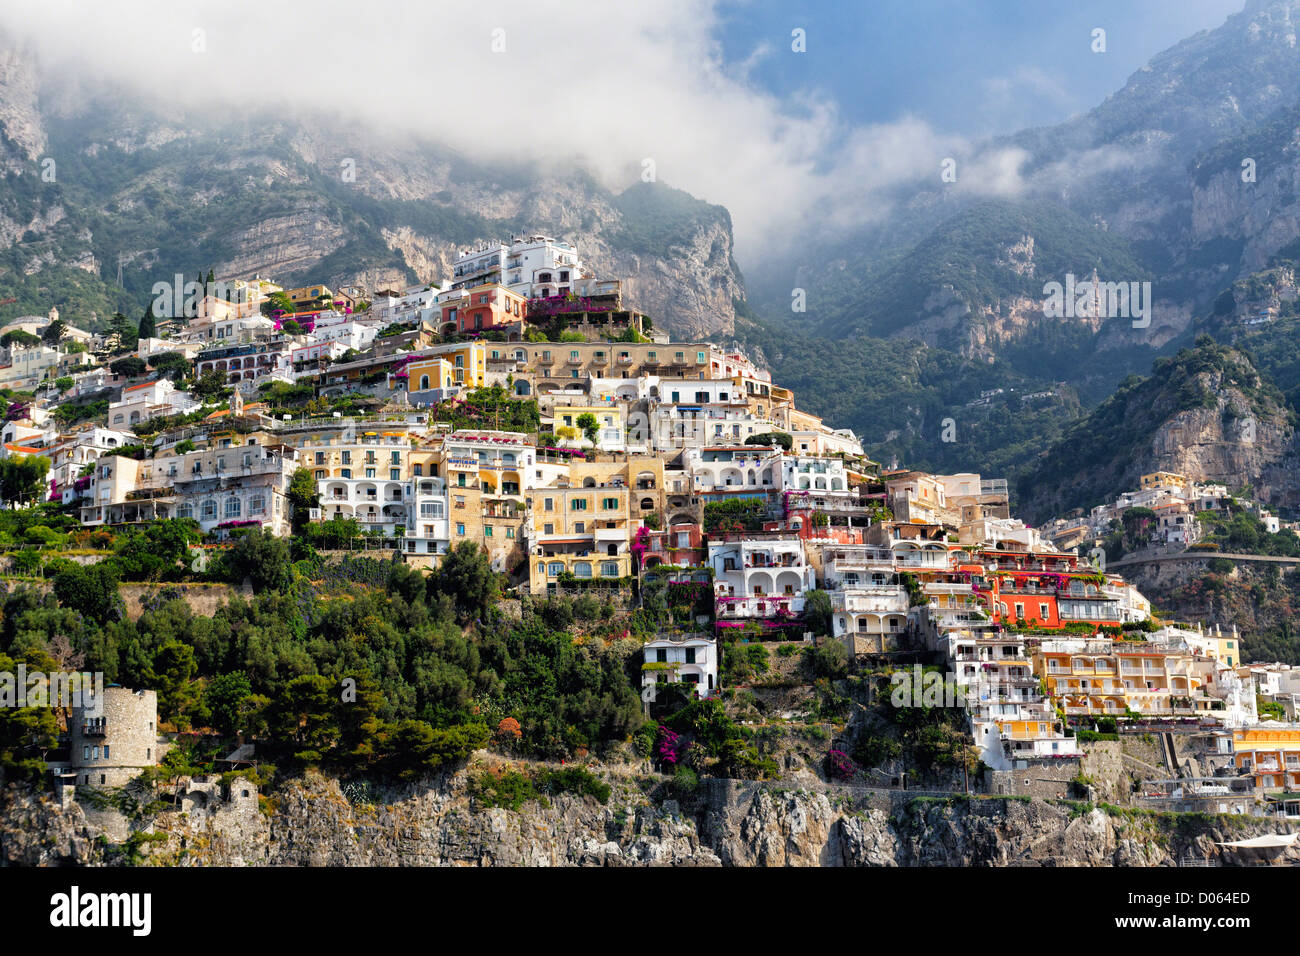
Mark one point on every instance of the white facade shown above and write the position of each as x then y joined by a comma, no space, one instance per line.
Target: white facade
693,660
538,267
734,471
761,576
149,400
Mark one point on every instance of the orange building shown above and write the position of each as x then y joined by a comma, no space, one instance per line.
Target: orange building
484,307
1270,753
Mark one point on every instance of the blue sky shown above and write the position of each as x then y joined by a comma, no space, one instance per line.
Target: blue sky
964,66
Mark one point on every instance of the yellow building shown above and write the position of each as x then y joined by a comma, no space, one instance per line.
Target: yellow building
552,363
1271,754
364,479
583,531
765,400
495,462
642,475
309,294
609,419
1105,677
466,361
1163,479
430,374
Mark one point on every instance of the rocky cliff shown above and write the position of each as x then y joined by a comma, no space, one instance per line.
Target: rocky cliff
1207,413
307,199
311,822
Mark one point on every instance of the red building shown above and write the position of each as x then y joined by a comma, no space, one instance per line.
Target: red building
680,544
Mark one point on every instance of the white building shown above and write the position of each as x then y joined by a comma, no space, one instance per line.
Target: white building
764,575
148,400
870,604
689,660
539,267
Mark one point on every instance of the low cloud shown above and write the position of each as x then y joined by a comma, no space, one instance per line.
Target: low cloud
607,85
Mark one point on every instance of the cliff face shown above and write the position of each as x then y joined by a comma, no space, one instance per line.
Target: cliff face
1207,413
727,823
307,199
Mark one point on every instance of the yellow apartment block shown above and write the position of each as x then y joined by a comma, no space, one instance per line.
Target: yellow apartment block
641,475
1163,479
1094,678
1270,754
580,531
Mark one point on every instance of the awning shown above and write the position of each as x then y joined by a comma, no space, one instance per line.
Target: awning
1270,840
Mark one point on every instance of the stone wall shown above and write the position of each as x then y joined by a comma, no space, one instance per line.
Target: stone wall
1046,779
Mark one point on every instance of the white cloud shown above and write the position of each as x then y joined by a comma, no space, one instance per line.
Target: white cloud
606,83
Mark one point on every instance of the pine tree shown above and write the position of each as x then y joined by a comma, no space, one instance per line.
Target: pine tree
148,324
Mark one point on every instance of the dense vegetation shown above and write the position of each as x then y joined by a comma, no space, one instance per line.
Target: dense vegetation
363,665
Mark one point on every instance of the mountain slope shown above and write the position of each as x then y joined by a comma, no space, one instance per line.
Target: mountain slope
305,200
1206,413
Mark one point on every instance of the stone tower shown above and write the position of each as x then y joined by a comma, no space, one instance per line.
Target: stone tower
110,749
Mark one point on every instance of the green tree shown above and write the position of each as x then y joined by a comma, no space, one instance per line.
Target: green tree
91,591
260,558
225,696
304,713
302,496
148,328
160,550
131,367
122,334
54,332
589,426
818,612
22,479
174,668
172,364
20,339
466,576
27,733
211,386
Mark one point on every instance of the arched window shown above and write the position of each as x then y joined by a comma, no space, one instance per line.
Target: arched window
647,504
424,382
118,419
582,569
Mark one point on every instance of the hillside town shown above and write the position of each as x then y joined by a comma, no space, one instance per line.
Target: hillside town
526,407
